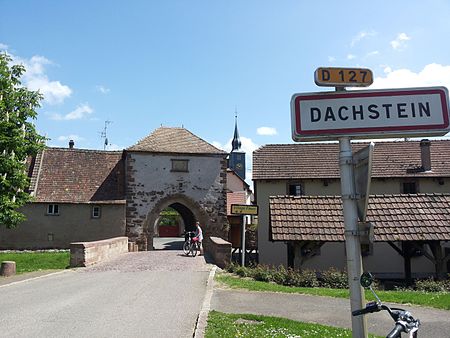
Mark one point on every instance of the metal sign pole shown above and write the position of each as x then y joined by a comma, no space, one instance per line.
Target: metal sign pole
243,241
352,242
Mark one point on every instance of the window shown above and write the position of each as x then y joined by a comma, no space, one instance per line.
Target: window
409,188
96,211
295,189
53,209
180,165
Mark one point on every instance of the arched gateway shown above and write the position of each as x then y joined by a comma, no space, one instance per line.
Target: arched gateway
174,168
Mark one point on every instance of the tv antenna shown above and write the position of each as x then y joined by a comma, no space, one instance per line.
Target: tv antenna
103,134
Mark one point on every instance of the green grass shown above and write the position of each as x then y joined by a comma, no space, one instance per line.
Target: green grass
439,300
34,261
248,325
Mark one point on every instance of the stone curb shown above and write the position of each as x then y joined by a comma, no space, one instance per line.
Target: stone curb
202,320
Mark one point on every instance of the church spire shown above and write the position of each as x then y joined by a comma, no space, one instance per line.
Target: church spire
236,143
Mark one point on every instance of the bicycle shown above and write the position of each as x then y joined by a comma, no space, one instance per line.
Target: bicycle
187,242
404,321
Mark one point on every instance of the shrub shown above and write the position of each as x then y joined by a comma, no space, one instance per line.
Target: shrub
333,278
307,278
279,275
262,273
242,271
430,285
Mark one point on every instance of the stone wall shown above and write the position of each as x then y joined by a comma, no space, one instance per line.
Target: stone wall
88,253
152,186
220,251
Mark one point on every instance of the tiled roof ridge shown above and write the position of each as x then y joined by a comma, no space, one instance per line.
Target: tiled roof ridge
82,150
200,145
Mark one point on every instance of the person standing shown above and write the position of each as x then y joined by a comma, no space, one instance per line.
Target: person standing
199,235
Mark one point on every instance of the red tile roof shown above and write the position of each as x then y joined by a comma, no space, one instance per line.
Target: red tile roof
78,176
420,217
320,160
174,140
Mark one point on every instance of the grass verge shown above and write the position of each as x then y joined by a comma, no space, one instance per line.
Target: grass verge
34,261
248,325
438,300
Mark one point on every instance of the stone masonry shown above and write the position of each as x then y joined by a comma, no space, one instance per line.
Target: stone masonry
152,186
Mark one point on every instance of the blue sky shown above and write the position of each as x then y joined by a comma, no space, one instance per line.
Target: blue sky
141,64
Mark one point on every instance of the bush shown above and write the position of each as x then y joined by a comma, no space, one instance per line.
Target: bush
262,273
279,275
306,279
333,278
430,285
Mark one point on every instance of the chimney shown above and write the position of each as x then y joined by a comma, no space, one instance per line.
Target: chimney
425,154
71,144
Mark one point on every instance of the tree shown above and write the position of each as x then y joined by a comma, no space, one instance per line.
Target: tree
18,140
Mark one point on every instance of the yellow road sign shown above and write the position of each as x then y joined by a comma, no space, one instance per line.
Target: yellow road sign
343,77
243,209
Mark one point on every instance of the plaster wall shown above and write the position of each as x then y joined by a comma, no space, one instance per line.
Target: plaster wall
384,258
73,224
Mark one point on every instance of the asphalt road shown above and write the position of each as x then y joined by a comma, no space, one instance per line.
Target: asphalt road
323,310
144,294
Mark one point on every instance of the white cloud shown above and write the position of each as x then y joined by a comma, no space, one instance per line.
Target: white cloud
268,131
400,42
3,46
35,79
360,36
80,112
373,53
331,59
431,75
70,137
351,57
102,89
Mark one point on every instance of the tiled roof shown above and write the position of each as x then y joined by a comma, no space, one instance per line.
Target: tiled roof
79,176
174,140
320,160
420,217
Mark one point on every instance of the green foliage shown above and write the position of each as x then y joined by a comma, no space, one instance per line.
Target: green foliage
18,140
438,300
430,285
249,325
34,261
333,278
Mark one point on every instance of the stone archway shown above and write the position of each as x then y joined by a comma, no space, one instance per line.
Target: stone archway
190,211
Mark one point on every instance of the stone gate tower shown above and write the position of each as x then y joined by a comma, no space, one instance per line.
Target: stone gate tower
174,168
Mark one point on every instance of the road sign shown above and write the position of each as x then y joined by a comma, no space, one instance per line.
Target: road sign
362,169
408,112
343,77
244,209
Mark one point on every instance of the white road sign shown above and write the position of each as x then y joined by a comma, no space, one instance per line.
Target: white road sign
370,113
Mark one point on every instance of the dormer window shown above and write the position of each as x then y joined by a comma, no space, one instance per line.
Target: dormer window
180,166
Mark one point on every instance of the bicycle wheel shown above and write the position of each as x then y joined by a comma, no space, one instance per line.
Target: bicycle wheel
186,248
194,249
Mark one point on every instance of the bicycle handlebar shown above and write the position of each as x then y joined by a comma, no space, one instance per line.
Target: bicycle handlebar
370,307
396,331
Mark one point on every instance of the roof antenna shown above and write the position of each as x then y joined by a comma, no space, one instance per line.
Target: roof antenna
103,134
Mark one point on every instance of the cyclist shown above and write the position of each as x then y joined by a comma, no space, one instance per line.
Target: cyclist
199,236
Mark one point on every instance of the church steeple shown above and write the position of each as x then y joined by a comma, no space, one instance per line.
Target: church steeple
236,160
236,143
